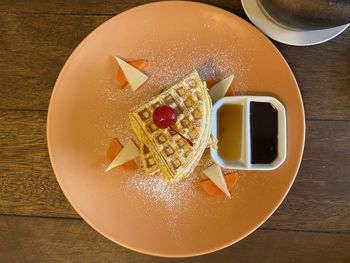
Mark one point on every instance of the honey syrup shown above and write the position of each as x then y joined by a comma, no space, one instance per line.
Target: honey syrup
229,126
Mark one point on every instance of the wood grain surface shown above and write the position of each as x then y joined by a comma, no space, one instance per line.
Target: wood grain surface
95,7
60,240
37,224
41,49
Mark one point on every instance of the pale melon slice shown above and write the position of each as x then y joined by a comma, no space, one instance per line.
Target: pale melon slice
215,174
219,90
134,76
128,153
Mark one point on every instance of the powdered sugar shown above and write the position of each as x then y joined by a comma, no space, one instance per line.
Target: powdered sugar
169,196
167,63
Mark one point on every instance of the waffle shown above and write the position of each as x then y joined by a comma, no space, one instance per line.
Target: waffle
163,149
148,161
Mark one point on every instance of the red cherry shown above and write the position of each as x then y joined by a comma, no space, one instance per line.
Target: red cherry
164,116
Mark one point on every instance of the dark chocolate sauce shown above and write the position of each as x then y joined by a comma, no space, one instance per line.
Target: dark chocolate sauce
263,132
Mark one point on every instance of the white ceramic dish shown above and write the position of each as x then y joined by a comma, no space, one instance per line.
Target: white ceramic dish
244,163
284,34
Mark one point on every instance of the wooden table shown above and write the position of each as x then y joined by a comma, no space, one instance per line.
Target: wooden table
37,224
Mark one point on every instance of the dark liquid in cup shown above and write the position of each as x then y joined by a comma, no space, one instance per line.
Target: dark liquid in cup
263,132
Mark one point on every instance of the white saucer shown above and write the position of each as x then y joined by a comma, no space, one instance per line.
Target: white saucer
284,34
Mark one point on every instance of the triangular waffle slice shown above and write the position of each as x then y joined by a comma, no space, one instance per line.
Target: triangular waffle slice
174,157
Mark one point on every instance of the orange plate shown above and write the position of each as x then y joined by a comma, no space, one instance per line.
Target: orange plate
87,110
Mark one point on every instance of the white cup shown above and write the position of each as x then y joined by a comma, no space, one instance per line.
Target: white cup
245,163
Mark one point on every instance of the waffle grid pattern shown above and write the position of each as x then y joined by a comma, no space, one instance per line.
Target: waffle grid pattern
164,149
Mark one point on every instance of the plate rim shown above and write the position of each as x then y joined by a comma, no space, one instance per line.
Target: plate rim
66,193
264,24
